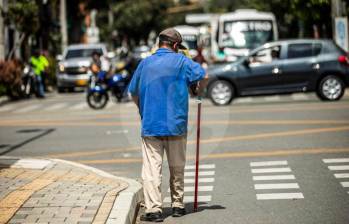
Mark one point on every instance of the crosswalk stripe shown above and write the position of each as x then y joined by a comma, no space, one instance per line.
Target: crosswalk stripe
345,184
272,98
336,160
200,188
341,175
201,173
203,166
79,106
28,109
299,96
273,196
6,108
272,170
200,180
187,199
275,177
56,106
268,163
243,100
338,167
276,186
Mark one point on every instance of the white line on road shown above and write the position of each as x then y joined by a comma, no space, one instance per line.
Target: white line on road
337,160
268,163
275,177
202,173
338,167
200,188
27,109
200,180
273,196
55,106
276,186
272,170
345,184
299,96
341,175
7,108
79,106
243,100
203,166
191,199
272,98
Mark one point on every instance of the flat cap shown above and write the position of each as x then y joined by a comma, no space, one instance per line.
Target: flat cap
171,34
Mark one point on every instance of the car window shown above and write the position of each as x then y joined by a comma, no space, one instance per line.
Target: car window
265,55
303,50
82,53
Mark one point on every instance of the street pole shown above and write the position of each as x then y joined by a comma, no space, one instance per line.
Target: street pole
2,31
335,12
197,155
63,22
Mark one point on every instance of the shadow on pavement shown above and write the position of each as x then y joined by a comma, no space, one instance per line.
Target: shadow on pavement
43,133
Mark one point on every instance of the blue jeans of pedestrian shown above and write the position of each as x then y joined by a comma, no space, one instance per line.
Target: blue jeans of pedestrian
40,86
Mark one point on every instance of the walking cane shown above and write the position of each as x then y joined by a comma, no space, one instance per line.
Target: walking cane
197,155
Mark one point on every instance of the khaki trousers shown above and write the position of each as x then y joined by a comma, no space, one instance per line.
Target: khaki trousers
153,150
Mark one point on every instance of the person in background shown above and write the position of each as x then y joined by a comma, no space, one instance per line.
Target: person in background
44,74
38,67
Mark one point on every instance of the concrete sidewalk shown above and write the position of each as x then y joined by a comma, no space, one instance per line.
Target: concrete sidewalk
57,191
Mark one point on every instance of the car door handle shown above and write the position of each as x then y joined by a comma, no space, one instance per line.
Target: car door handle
316,66
276,71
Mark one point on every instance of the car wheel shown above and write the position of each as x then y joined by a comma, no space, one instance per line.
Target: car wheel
331,88
221,92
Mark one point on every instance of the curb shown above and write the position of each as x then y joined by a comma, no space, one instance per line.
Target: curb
126,203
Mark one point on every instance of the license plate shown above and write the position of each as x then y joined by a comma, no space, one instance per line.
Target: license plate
81,82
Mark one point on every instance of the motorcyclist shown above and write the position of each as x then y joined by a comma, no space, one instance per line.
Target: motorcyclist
99,66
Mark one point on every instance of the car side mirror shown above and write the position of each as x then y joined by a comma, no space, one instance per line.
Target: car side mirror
59,57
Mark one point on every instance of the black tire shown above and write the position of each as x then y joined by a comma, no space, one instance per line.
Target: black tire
221,92
60,89
330,88
97,100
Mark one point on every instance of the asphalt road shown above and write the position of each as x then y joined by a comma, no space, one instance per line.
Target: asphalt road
276,159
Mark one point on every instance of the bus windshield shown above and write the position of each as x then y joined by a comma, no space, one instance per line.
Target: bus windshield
246,34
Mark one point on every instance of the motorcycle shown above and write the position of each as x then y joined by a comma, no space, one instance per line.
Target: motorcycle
28,81
100,85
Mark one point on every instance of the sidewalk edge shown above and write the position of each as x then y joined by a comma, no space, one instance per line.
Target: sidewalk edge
126,203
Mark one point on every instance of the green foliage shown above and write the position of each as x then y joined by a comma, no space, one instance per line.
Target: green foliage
23,14
136,18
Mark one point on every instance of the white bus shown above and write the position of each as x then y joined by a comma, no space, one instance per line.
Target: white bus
190,36
238,32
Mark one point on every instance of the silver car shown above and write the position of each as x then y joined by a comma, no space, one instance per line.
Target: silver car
73,66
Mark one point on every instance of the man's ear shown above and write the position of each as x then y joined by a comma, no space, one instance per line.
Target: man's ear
175,46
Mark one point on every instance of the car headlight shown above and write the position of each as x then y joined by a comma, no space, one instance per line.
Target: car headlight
61,68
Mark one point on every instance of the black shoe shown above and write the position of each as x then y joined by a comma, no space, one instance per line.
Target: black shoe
178,212
152,217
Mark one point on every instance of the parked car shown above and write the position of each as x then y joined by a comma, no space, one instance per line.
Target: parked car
73,66
303,65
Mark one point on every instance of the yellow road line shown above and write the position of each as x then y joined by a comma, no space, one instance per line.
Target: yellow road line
205,122
272,134
232,155
207,141
92,153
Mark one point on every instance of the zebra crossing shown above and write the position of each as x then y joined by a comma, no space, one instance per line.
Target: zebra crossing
340,167
206,183
274,180
77,103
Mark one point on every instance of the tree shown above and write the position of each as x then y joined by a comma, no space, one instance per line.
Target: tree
24,15
135,19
